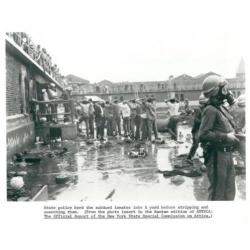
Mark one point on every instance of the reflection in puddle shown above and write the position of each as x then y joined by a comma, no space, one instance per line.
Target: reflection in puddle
94,172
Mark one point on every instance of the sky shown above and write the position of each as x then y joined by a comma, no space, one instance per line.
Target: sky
144,40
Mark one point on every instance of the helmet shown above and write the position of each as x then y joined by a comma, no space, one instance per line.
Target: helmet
242,101
211,84
203,100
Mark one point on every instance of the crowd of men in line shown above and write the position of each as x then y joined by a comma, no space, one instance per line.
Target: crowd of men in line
136,117
36,52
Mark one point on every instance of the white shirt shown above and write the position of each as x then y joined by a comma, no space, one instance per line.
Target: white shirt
125,110
85,108
173,108
45,96
52,94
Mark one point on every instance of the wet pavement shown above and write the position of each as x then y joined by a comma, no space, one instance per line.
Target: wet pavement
106,172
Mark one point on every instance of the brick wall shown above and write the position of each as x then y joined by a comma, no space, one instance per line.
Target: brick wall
13,93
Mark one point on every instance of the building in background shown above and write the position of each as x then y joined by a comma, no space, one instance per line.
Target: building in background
104,87
182,87
78,84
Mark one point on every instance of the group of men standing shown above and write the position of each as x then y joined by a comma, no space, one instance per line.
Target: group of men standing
136,117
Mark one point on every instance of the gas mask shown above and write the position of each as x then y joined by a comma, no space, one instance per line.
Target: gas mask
226,94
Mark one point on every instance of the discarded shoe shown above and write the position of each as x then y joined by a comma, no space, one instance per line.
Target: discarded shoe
133,154
177,180
169,173
188,173
138,152
180,142
128,140
143,154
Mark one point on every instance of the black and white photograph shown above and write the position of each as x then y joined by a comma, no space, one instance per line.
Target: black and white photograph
73,139
121,113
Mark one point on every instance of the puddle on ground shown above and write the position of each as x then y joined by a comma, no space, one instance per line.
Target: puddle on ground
96,172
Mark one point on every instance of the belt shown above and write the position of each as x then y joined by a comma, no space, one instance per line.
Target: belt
226,149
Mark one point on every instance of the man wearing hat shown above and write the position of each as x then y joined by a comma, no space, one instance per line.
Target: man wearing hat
218,139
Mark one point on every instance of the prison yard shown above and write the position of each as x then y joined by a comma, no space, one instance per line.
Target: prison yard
98,171
72,140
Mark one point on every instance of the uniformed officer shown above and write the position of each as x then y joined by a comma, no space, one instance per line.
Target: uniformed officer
217,136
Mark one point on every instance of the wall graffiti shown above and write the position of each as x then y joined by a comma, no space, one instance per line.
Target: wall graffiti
19,139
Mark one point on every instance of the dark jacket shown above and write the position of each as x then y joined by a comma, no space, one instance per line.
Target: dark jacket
215,125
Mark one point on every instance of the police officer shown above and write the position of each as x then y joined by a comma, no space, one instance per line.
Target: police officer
217,136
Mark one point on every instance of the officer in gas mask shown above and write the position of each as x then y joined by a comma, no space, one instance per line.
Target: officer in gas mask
217,137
